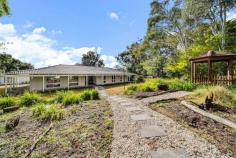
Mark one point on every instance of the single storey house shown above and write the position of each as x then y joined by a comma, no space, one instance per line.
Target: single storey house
69,76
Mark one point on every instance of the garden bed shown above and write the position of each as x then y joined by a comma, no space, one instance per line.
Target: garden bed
216,133
84,131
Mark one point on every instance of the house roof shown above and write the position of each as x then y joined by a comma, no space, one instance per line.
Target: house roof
70,70
212,55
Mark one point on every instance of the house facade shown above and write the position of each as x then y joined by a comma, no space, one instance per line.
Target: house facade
70,76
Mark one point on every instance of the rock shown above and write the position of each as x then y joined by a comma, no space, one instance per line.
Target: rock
12,123
10,109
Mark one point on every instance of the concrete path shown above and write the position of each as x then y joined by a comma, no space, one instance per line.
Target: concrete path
165,96
144,133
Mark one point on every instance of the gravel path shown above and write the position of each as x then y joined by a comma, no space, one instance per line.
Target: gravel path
173,95
128,142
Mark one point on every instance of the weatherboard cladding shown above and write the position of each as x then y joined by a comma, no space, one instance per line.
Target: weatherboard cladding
71,70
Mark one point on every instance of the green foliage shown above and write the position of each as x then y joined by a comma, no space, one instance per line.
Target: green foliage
48,112
70,97
92,59
139,79
4,8
94,94
7,102
85,95
151,85
8,63
30,98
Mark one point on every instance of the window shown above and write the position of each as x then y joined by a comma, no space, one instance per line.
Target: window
113,78
104,79
120,78
73,81
53,82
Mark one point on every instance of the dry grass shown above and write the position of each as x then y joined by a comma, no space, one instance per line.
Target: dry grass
116,89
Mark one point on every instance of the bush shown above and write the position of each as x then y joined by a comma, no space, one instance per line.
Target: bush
48,112
177,84
85,95
30,98
139,79
94,94
7,102
146,88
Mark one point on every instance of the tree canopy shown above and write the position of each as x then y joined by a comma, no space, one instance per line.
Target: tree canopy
4,8
8,63
178,30
92,59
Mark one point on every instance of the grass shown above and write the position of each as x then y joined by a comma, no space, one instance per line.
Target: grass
7,102
222,96
30,98
116,89
48,112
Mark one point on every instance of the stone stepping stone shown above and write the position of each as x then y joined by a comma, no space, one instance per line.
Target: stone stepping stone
152,131
133,109
169,153
140,117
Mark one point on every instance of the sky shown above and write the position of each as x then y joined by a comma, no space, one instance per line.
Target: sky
59,32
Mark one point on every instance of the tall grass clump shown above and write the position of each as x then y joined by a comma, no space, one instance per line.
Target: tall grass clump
48,112
94,94
221,96
7,102
85,95
30,98
68,98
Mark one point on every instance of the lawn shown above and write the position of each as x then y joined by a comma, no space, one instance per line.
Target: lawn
116,89
82,125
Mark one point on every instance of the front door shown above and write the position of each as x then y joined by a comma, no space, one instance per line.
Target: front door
91,80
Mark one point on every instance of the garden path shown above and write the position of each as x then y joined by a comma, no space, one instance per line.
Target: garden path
140,132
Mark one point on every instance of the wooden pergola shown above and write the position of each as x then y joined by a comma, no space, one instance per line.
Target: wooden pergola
210,57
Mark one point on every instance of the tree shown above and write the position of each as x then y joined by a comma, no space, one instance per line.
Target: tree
4,8
92,59
8,63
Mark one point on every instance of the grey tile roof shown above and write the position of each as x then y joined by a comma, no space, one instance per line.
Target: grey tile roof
70,70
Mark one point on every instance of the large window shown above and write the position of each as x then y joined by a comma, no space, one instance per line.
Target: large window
73,81
53,81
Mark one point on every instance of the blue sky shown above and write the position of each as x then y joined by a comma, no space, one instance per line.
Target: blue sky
67,29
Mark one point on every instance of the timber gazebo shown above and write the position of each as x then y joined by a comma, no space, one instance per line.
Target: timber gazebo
210,57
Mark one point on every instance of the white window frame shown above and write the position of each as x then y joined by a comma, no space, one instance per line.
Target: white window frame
73,83
54,83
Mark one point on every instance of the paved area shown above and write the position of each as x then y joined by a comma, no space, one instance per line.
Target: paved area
173,95
150,134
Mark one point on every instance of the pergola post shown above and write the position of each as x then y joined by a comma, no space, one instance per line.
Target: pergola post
209,71
230,72
193,72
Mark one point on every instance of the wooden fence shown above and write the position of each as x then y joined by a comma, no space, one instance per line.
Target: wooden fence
215,80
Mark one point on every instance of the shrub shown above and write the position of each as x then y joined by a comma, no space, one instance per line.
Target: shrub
30,98
85,95
7,102
67,98
48,112
146,88
177,84
132,87
139,79
94,94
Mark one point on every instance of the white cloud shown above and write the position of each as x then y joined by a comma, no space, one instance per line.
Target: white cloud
39,30
28,25
56,32
114,16
36,48
110,61
7,29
